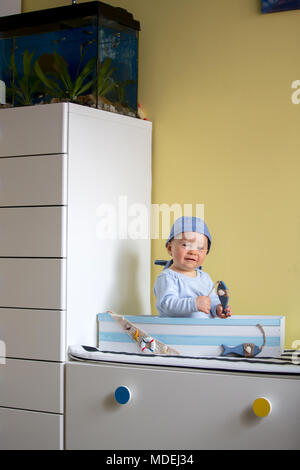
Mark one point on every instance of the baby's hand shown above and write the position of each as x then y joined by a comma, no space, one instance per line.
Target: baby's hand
203,303
221,314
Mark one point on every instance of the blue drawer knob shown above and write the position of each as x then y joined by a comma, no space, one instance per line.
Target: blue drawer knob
122,395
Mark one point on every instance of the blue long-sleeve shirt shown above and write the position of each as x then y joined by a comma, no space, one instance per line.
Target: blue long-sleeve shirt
176,294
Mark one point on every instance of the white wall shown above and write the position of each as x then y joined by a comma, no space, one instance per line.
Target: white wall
10,7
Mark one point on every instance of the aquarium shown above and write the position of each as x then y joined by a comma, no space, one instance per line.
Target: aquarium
85,53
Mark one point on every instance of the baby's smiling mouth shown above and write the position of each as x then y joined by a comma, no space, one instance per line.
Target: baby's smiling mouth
188,258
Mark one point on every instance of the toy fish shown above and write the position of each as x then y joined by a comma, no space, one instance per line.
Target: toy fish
223,294
222,291
245,349
143,340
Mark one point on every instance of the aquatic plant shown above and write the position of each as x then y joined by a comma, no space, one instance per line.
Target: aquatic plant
120,87
24,87
59,82
105,82
50,78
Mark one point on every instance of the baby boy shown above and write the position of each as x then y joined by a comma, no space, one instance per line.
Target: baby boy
183,289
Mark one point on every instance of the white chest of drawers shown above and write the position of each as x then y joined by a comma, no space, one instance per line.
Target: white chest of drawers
59,164
176,408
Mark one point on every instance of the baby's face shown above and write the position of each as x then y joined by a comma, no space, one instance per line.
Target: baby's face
188,251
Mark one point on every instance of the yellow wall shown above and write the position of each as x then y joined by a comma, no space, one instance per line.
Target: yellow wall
215,79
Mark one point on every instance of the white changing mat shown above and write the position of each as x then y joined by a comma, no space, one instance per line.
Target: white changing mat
287,363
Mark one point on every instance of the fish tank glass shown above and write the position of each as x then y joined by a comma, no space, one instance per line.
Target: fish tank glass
84,53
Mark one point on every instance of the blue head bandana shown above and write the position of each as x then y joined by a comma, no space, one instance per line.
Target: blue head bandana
189,224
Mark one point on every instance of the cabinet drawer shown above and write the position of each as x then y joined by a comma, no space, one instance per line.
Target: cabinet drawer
33,130
175,409
32,283
29,430
33,231
33,334
29,181
32,385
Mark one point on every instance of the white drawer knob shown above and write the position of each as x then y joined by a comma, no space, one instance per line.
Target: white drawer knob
262,407
122,395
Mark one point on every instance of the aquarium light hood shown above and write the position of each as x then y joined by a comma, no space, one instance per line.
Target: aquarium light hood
62,18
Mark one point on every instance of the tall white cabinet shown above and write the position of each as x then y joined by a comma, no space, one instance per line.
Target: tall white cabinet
67,173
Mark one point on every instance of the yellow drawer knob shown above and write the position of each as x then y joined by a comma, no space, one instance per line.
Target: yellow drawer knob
262,407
